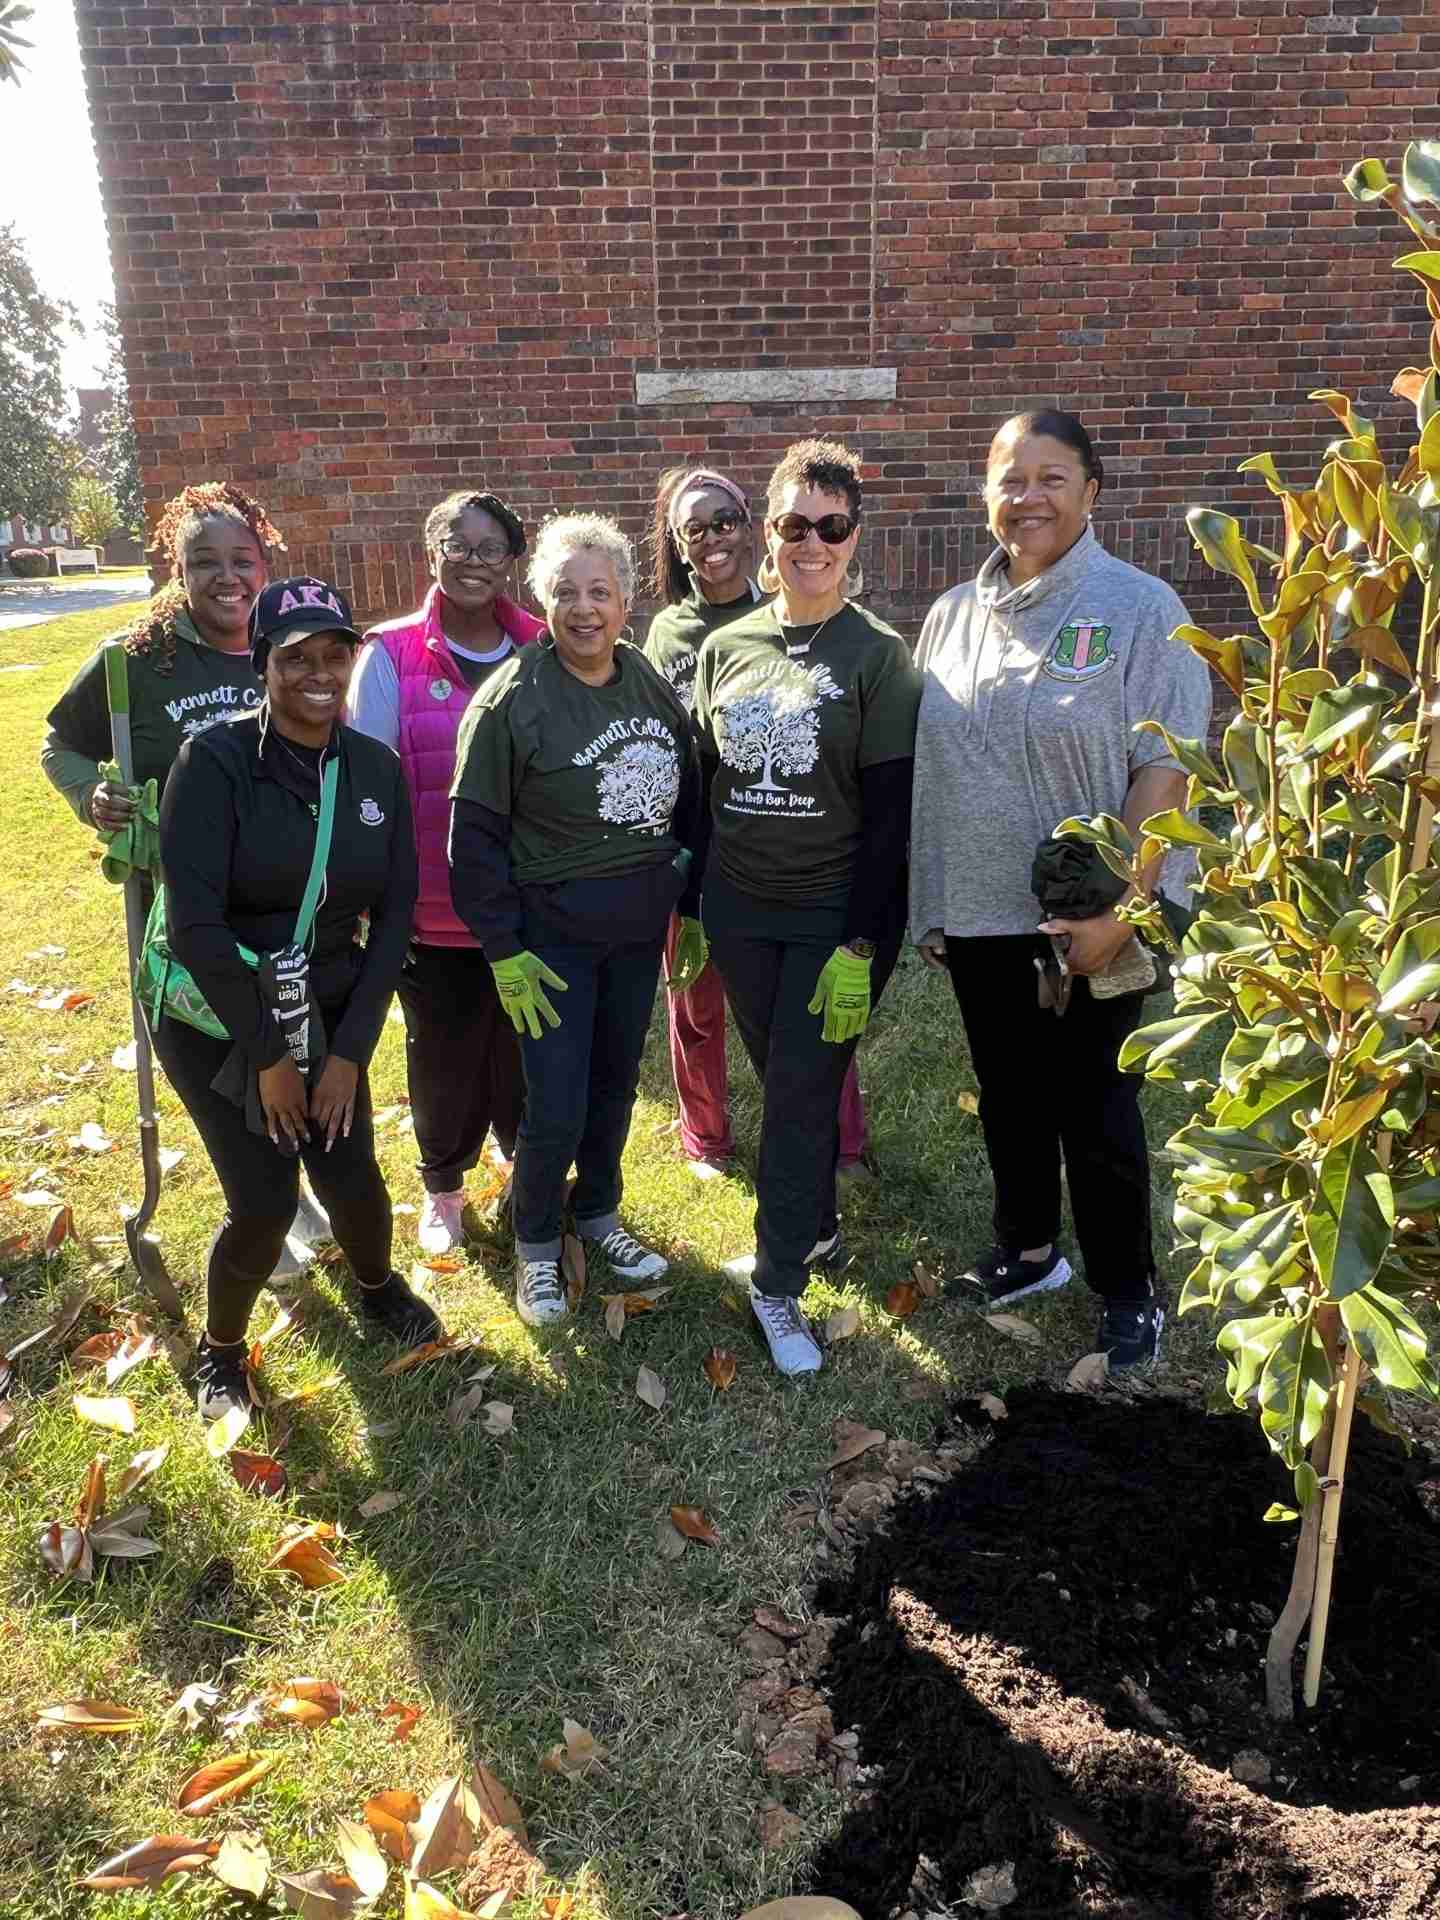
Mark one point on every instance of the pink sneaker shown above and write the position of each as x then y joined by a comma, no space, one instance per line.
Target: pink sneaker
440,1228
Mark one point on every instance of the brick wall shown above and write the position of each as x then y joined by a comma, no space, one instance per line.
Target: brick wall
366,251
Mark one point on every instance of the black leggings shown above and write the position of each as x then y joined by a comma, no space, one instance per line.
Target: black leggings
261,1184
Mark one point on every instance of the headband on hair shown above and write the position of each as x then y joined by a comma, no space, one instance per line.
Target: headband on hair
703,477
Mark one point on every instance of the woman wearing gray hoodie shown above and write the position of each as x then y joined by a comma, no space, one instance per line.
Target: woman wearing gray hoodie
1036,675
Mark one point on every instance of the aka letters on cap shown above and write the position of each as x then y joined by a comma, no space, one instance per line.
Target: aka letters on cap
289,611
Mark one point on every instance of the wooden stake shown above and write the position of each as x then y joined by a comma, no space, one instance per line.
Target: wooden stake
1330,1497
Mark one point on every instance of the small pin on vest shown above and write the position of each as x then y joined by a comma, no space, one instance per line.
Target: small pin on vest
440,689
371,813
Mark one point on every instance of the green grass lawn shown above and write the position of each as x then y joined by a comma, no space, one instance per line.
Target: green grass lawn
519,1579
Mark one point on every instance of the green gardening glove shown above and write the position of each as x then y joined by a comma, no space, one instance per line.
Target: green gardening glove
842,994
135,847
520,982
692,955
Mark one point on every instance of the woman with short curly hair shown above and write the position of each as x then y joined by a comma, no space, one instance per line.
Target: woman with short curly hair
411,686
805,711
574,812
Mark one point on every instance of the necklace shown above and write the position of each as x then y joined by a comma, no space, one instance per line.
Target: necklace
794,649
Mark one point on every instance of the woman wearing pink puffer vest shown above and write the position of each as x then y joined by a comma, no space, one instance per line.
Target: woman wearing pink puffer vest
410,688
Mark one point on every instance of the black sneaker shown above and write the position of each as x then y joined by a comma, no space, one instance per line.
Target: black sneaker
1002,1276
828,1255
1130,1333
222,1379
397,1309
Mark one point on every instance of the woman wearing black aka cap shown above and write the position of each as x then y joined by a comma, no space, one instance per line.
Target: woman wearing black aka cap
239,824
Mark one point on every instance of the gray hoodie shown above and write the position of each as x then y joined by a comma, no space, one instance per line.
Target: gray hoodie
1030,701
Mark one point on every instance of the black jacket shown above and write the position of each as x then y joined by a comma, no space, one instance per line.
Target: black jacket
237,836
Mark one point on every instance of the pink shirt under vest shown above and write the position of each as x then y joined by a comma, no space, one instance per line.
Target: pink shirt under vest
433,696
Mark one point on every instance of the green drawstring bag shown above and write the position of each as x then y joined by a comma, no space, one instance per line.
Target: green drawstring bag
163,986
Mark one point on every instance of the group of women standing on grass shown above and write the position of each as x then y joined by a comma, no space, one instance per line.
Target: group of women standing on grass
522,820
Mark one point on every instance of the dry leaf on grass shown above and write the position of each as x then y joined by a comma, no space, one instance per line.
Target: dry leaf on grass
87,1716
1017,1328
221,1434
424,1902
572,1269
843,1324
391,1814
968,1102
404,1717
925,1280
92,1138
992,1404
580,1753
364,1861
421,1356
61,1228
250,1713
302,1551
7,1416
851,1440
13,1245
64,1000
140,1469
1089,1374
243,1863
284,1322
441,1263
620,1307
444,1834
37,1197
71,1550
379,1503
258,1472
497,1806
464,1404
135,1348
305,1701
95,1351
903,1299
650,1388
558,1906
499,1418
195,1704
150,1861
692,1522
719,1364
319,1894
114,1412
669,1541
223,1780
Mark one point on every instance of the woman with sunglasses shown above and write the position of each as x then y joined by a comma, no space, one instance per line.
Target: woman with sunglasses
411,687
805,711
703,542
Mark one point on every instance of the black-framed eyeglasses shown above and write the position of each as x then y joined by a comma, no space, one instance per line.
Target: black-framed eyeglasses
833,528
726,521
492,552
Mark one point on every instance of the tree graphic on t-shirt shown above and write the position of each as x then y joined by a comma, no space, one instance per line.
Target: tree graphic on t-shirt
640,785
763,738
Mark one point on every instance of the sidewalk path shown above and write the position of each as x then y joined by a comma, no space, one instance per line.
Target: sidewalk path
26,603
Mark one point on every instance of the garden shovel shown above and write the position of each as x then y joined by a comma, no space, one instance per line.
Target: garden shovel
144,1251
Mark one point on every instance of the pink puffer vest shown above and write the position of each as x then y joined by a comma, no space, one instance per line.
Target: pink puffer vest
433,699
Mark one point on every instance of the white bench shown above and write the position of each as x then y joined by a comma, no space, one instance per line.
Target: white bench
75,557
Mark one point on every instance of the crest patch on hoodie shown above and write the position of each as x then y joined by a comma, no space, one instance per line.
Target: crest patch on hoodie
1080,651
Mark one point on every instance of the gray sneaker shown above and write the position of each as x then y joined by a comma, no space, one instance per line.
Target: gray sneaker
628,1257
540,1293
793,1347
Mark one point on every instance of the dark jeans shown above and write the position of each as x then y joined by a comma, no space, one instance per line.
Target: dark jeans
1050,1087
580,1084
769,959
261,1184
462,1059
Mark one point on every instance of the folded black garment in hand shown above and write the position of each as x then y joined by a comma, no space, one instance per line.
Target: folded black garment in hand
284,981
1072,882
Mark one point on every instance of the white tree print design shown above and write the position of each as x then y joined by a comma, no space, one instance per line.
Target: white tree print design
638,786
765,738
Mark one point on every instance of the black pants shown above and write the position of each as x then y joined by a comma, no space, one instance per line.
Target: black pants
462,1058
770,959
261,1184
1050,1087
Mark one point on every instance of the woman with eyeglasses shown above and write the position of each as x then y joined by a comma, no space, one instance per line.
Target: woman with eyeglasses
805,711
703,542
411,687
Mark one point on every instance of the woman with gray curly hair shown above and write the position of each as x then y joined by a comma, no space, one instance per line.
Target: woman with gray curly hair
574,810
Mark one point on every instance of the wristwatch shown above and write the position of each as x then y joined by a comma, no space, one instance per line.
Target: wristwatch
862,949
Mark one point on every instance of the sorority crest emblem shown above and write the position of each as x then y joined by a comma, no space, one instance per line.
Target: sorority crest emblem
440,689
371,813
1081,651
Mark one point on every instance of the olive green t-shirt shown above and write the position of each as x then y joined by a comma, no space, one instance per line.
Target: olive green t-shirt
589,776
677,634
791,719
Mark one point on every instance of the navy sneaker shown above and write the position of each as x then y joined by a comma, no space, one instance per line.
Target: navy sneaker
1130,1333
1002,1276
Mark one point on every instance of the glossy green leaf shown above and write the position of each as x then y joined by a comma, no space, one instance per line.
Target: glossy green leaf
1420,173
1267,1235
1178,829
1307,1485
1391,1341
1413,950
1423,983
1367,182
1224,1147
1416,1192
1242,749
1277,1515
1190,753
1429,449
1294,1390
1220,540
1351,1219
1226,656
1246,1345
1403,521
1324,893
1197,1290
1269,1105
1334,716
1147,1047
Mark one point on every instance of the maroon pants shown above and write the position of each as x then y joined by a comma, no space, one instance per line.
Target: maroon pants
702,1087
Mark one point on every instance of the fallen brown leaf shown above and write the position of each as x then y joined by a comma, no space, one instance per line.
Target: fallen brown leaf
60,1229
691,1521
421,1356
320,1894
650,1388
580,1753
558,1906
669,1541
465,1403
443,1836
620,1307
305,1554
851,1440
195,1704
258,1472
66,1550
968,1102
115,1411
440,1263
843,1324
243,1863
87,1716
92,1494
133,1351
497,1806
1017,1328
992,1404
150,1861
140,1469
379,1503
364,1861
306,1701
13,1245
7,1416
925,1280
223,1780
572,1267
95,1351
903,1299
424,1902
404,1717
719,1364
1089,1374
390,1815
614,1314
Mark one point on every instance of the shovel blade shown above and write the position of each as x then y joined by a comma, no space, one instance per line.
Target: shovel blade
154,1275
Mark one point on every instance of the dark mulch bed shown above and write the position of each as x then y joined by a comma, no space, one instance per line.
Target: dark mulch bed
1009,1638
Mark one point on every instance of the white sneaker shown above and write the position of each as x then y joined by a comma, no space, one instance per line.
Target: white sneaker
311,1225
709,1169
629,1258
540,1293
793,1347
440,1229
824,1253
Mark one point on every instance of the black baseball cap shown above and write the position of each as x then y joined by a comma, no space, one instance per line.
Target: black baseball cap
289,610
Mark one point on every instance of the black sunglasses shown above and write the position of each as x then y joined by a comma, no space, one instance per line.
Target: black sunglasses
833,528
726,521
